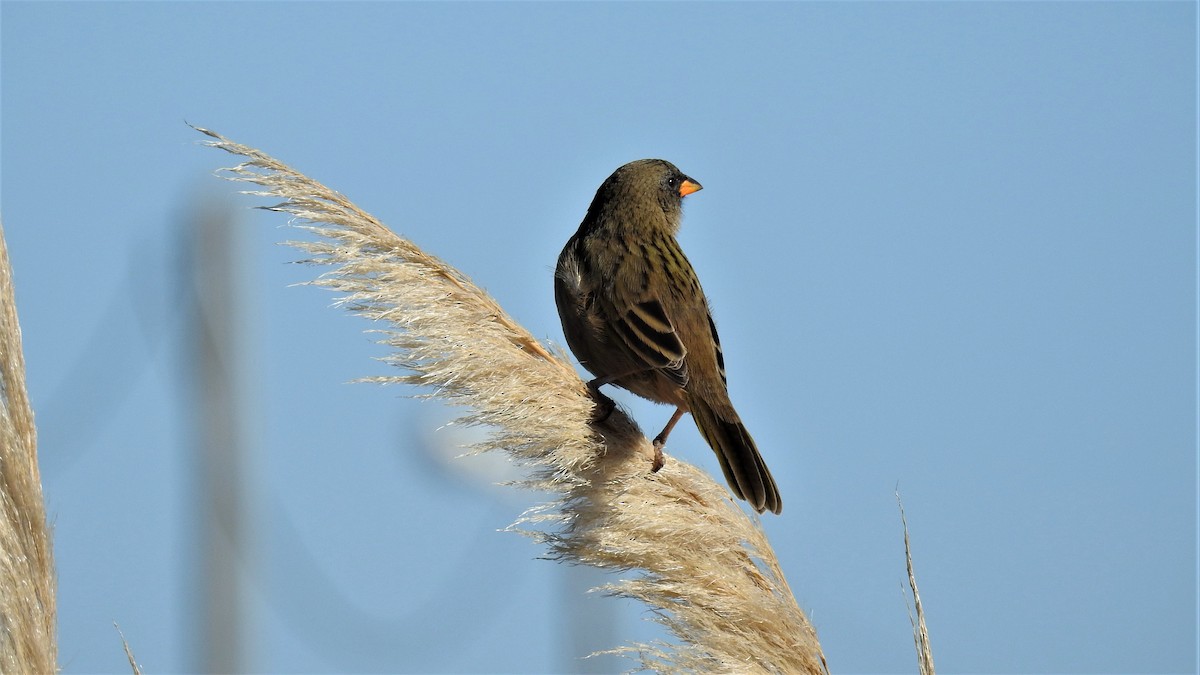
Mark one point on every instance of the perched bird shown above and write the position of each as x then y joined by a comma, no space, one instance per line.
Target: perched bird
635,316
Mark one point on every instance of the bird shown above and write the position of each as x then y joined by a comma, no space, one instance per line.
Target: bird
635,316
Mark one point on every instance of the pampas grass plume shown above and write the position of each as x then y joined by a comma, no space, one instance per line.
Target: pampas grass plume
701,563
27,584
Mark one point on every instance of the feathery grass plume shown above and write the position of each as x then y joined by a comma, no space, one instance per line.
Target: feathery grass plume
920,633
27,583
705,566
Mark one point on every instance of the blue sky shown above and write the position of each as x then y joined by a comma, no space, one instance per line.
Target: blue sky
951,247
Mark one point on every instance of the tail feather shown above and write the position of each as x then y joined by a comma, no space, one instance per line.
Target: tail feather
743,466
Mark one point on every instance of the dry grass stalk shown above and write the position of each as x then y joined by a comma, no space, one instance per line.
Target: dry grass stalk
134,668
705,566
27,583
920,633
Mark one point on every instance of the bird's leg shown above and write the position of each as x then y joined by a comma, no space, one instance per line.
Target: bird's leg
661,439
604,404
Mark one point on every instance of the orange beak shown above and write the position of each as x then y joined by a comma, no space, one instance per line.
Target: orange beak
688,187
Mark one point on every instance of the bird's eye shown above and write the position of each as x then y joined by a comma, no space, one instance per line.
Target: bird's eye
673,181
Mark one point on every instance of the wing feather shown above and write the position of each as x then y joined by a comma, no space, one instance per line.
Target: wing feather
648,332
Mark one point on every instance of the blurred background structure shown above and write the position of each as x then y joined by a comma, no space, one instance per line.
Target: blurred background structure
950,247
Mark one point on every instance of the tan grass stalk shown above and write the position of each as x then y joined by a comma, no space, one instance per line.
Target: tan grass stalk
701,562
27,584
920,633
134,668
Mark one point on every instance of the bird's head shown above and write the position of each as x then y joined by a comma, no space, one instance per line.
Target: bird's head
645,192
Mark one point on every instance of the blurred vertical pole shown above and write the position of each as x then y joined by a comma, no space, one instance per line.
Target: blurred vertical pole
220,444
591,623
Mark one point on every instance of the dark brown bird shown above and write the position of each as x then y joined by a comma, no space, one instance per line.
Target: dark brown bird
635,316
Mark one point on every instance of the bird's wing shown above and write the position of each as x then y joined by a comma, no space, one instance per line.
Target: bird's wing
717,346
647,331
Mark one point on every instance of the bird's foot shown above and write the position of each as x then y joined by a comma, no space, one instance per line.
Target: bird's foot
604,405
659,458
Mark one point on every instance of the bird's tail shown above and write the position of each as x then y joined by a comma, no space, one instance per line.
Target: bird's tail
744,468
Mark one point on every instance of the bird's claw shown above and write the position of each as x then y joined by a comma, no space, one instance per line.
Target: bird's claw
659,458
